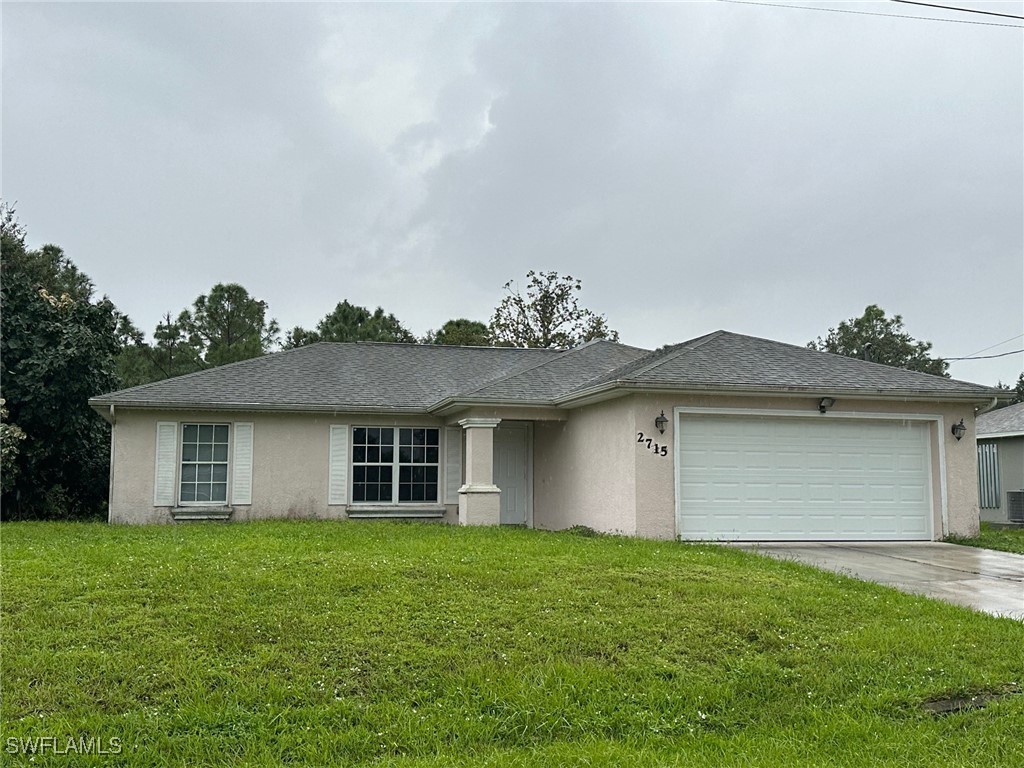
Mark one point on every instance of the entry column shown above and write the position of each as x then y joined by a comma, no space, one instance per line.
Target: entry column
479,498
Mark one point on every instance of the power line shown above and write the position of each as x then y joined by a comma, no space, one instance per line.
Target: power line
873,13
1004,341
986,357
962,10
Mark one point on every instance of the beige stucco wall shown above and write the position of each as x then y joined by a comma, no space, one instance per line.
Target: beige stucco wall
290,463
655,477
584,470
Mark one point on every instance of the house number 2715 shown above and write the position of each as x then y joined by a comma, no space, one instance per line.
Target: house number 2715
657,448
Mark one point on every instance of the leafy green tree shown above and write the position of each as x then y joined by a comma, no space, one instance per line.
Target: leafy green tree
547,315
1016,392
172,353
227,325
460,332
57,350
881,339
349,322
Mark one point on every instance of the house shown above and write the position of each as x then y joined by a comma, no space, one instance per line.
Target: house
1001,464
721,437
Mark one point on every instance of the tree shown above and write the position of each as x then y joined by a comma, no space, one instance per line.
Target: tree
880,339
349,322
1016,392
172,353
57,350
227,325
548,315
460,332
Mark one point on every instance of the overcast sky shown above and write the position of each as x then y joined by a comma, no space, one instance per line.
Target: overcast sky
769,171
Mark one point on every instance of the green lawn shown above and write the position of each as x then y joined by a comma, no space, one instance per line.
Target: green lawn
1004,539
424,645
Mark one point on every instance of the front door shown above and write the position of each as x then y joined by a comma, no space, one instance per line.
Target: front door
511,472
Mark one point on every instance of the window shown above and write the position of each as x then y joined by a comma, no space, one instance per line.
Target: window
204,464
382,454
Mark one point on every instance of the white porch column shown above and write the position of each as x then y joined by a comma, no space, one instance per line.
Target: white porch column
479,498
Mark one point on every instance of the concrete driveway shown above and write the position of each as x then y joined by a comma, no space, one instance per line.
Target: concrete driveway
982,579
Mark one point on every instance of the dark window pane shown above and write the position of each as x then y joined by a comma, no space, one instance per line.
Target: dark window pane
358,492
220,433
405,437
188,452
372,474
220,453
220,473
359,474
204,473
372,493
387,453
188,492
404,474
205,452
417,475
359,453
385,474
404,454
432,435
419,436
373,454
385,491
417,492
387,436
430,492
430,474
419,455
432,455
359,435
220,492
205,433
203,492
190,433
188,473
404,492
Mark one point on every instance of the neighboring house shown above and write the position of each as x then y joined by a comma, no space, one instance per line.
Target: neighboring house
721,437
1001,464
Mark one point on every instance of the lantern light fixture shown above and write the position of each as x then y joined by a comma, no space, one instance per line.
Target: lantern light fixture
959,430
660,422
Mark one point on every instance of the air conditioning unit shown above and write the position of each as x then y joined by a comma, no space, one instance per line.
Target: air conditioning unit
1015,506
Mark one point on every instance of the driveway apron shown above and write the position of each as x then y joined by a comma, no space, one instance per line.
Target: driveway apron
982,579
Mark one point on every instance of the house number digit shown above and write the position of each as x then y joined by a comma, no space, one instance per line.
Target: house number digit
656,448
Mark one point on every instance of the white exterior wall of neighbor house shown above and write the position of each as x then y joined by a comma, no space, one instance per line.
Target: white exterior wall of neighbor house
584,470
290,462
655,481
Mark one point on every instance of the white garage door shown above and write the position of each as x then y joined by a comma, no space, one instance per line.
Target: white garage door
760,478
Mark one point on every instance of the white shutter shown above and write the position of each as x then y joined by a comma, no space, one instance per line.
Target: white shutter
452,464
241,466
166,463
337,479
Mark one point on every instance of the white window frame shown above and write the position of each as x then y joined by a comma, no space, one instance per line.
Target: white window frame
181,462
396,465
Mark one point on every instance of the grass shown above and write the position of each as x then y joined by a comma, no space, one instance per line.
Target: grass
291,643
991,537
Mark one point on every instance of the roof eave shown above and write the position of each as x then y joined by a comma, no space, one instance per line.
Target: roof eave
617,388
102,406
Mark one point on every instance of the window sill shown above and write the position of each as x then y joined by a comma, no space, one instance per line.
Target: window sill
412,511
190,514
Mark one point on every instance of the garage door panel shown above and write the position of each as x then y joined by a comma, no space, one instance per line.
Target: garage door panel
762,478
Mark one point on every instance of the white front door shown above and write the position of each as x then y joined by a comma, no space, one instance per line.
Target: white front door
512,472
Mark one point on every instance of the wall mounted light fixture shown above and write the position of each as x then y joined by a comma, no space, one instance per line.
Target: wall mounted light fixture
959,430
660,422
826,403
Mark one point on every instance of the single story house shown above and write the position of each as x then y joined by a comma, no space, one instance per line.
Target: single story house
1001,464
722,437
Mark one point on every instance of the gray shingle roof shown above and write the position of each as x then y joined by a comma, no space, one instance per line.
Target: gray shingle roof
552,379
329,375
730,359
1007,420
412,377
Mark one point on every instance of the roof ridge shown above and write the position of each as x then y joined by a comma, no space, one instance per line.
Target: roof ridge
663,355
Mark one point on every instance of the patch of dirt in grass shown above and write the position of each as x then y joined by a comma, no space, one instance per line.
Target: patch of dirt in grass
951,705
